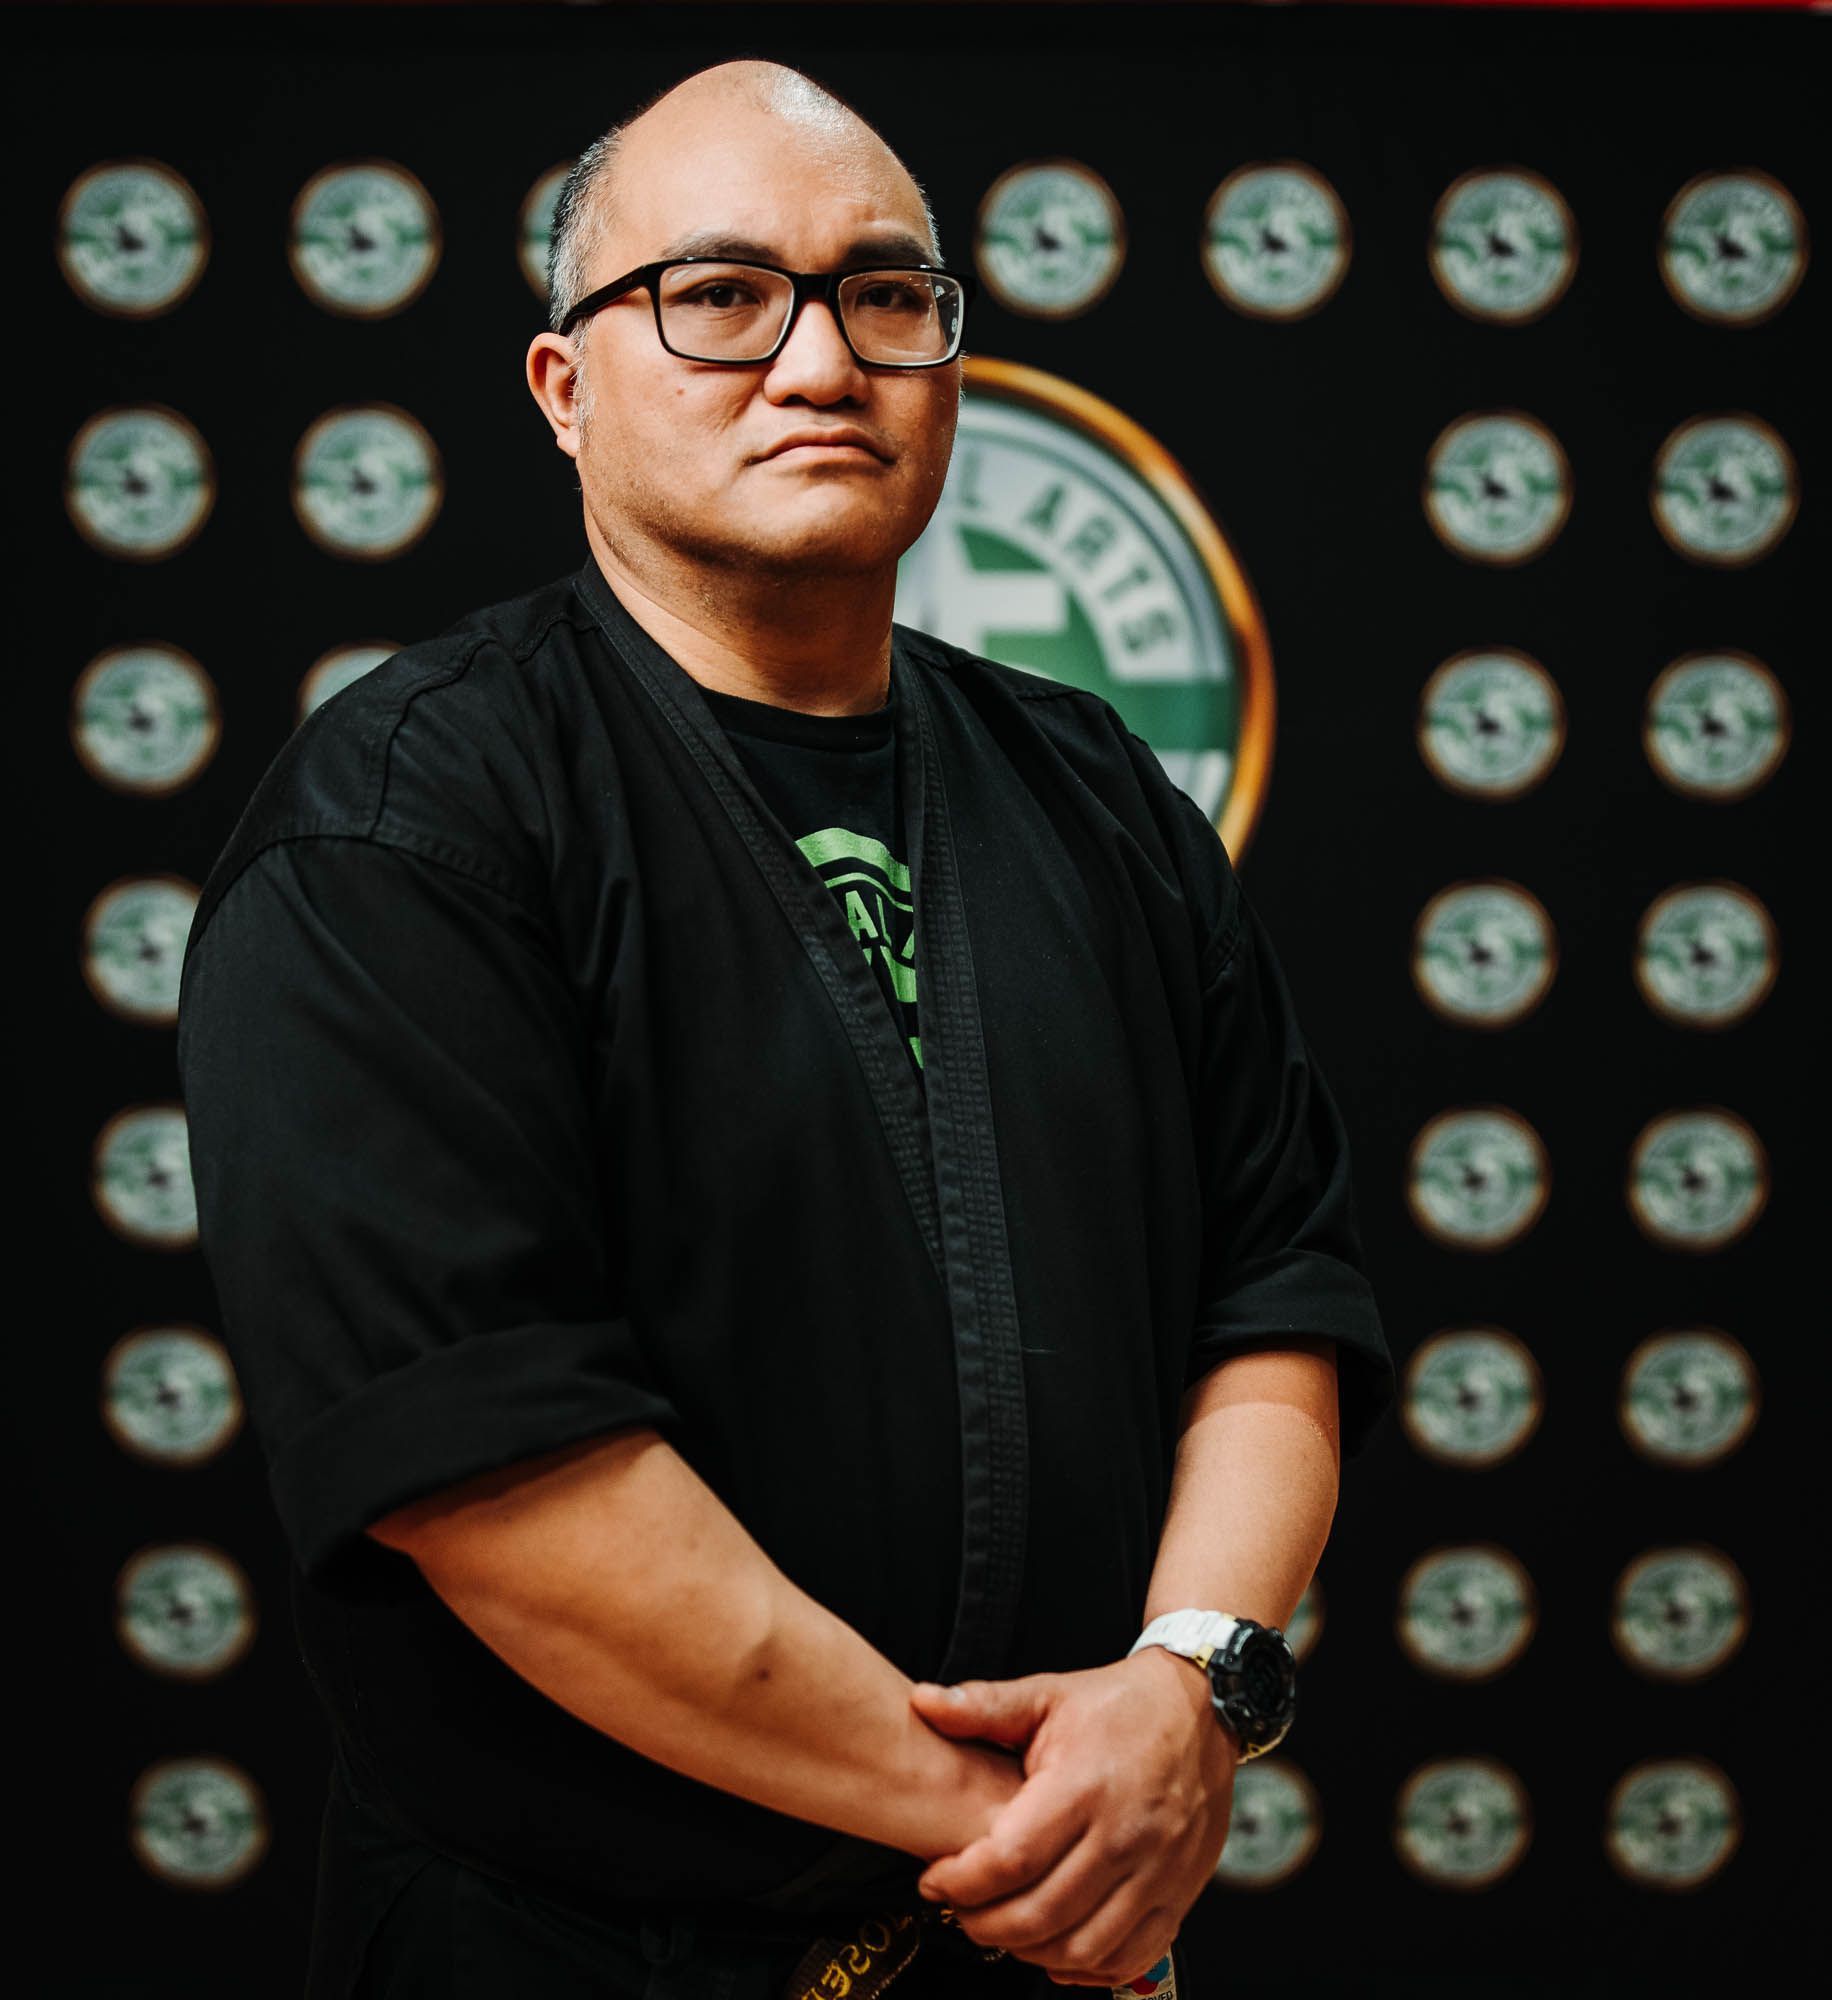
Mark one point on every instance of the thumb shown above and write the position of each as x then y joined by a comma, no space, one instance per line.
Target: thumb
1001,1711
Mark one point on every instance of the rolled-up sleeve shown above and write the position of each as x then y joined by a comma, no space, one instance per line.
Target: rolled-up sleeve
1282,1254
386,1083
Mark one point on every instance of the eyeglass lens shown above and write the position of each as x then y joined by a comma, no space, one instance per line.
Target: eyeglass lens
736,312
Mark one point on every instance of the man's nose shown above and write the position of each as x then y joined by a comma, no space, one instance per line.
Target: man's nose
815,359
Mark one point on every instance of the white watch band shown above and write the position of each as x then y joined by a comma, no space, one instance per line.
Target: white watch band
1194,1634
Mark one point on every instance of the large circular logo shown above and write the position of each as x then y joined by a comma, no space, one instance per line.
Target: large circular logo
1679,1614
1688,1396
1478,1178
534,226
1705,954
1484,953
365,238
140,1177
367,481
132,238
1491,723
169,1395
1466,1613
1472,1396
1724,490
1276,240
1497,487
1068,542
1672,1823
1275,1825
1733,247
1503,244
1050,239
338,669
1462,1822
139,482
134,934
1305,1625
1716,725
197,1822
1697,1179
144,719
185,1609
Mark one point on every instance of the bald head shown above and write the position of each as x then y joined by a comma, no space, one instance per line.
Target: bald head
681,128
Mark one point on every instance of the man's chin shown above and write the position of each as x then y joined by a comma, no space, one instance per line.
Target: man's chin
830,547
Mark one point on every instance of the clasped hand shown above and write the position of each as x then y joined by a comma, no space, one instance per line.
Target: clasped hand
1090,1867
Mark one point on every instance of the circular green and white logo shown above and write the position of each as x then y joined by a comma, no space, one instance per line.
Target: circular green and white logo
1305,1626
1717,725
534,226
1484,953
1050,239
1503,244
144,719
1275,1825
1679,1613
365,238
1466,1613
139,482
1733,247
1705,954
1478,1179
1491,723
169,1395
1472,1396
132,238
140,1177
367,481
185,1609
1697,1179
1497,487
1724,490
336,670
134,936
1068,543
197,1822
1672,1823
1462,1822
1275,240
1689,1396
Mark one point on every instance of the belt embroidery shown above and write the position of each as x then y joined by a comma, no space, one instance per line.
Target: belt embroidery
862,1966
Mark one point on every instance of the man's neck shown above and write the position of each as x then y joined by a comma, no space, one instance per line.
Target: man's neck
818,644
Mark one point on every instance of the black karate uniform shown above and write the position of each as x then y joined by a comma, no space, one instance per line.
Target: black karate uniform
538,1085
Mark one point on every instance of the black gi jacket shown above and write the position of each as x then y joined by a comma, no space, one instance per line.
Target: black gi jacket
537,1086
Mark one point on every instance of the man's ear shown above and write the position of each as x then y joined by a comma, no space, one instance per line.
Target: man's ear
554,375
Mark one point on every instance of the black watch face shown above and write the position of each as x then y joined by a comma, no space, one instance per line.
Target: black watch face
1255,1682
1264,1675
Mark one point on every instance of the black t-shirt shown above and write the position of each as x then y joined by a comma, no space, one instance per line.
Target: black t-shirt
832,781
537,1087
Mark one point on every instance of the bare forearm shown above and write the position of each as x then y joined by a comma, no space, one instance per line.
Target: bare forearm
617,1582
1254,1487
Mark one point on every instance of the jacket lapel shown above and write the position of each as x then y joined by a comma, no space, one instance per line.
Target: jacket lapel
943,1142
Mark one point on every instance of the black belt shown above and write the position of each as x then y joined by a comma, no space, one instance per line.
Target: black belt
879,1950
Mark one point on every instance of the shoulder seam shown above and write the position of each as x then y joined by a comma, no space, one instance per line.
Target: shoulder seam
457,860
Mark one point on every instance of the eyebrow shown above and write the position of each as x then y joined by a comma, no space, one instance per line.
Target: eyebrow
898,247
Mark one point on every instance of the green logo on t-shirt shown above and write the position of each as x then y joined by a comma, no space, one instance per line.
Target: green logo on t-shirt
873,888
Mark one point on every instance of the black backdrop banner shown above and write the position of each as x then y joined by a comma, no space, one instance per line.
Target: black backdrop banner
1443,375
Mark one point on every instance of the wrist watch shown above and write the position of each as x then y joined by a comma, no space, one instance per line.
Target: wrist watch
1253,1673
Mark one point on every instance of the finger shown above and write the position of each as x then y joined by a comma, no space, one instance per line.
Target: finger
1000,1711
1115,1945
1028,1836
1066,1899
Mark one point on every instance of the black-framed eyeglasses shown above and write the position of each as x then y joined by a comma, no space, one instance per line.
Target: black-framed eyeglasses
715,309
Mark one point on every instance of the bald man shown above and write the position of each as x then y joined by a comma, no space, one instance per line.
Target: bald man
758,1164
